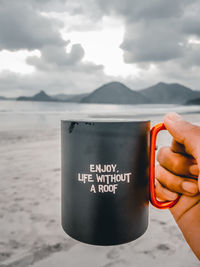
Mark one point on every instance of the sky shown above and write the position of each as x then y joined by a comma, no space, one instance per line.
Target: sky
73,47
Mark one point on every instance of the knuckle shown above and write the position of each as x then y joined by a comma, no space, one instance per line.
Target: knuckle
174,183
178,184
170,181
175,165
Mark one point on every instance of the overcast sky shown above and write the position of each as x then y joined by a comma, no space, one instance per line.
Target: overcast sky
75,46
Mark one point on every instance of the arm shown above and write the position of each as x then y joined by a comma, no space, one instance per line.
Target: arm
178,173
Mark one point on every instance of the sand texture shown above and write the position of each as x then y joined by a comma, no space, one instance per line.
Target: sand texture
30,228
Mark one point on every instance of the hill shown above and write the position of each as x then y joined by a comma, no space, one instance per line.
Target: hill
115,93
173,93
193,102
41,96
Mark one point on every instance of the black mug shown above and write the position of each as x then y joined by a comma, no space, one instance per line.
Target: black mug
108,169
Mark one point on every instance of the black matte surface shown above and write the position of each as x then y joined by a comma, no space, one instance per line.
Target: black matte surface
105,218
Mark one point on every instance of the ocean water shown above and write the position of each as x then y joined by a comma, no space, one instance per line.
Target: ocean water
16,114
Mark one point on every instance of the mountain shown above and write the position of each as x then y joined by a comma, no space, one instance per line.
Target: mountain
164,93
118,93
193,102
69,98
115,93
41,96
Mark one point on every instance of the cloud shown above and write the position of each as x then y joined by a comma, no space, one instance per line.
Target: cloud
48,5
134,10
71,81
161,39
23,26
156,31
56,57
190,25
151,43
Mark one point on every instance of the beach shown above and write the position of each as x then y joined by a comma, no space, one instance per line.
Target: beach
30,206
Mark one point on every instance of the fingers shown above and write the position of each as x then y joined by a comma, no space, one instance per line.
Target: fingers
184,133
175,183
177,163
163,193
177,147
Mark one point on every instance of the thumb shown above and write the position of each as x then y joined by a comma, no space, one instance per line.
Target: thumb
185,133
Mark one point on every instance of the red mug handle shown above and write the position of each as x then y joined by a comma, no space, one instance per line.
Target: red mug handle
154,201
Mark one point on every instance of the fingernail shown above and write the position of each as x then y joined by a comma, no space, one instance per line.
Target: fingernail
190,187
173,116
170,195
194,170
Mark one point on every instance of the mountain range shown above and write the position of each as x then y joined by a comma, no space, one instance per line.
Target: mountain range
118,93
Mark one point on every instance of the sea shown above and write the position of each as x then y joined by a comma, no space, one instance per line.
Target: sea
16,114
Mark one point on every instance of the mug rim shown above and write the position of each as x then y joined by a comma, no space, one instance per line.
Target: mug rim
105,120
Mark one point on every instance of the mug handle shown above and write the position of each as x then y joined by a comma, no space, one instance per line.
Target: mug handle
154,201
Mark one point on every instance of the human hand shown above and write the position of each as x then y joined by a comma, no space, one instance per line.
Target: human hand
178,173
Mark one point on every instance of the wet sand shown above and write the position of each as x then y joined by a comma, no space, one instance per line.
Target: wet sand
30,228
